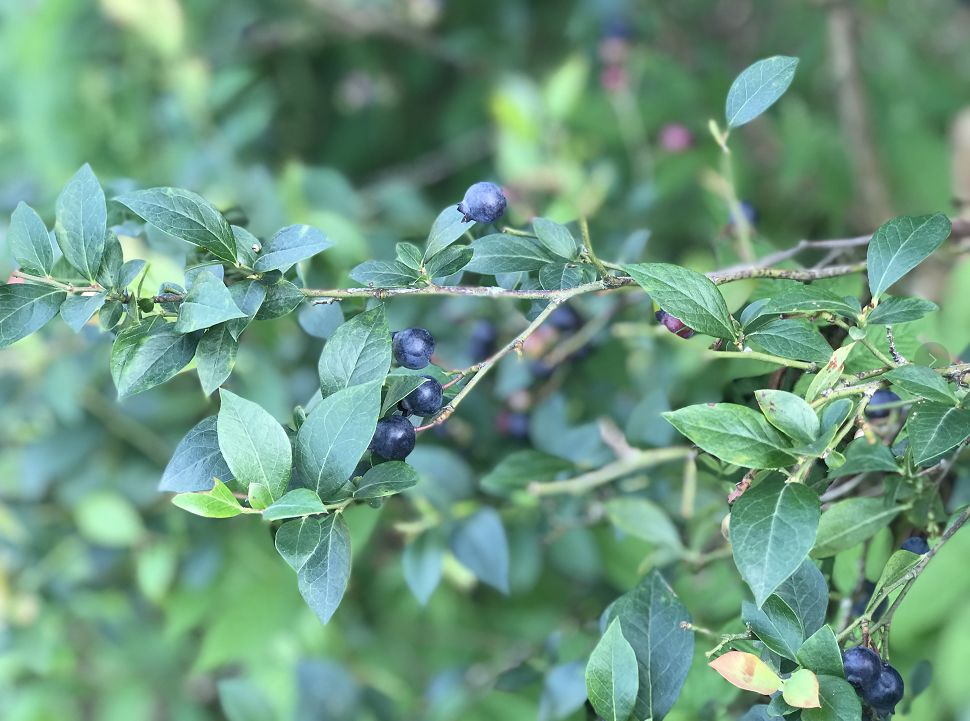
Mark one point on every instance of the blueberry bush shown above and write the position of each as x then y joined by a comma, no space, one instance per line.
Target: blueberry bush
745,475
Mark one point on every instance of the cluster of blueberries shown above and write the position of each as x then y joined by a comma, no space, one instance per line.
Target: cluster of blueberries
878,683
394,437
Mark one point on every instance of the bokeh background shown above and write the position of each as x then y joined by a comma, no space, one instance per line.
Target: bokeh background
365,118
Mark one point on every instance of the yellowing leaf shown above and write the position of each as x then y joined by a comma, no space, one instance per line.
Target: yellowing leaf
801,690
747,671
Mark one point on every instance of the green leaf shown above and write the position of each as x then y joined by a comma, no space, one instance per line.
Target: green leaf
446,229
386,479
242,701
422,564
77,310
259,496
289,246
517,470
556,238
561,277
773,527
149,353
935,429
26,308
821,653
789,414
830,373
318,549
409,254
197,461
254,445
807,594
29,241
900,310
775,624
248,295
612,681
850,522
900,245
748,672
185,215
898,565
293,504
808,299
358,352
207,303
449,261
111,261
922,382
384,274
861,456
801,689
334,437
397,386
501,253
687,295
216,503
736,434
82,222
757,88
215,357
792,338
653,621
282,298
480,545
247,245
839,700
643,519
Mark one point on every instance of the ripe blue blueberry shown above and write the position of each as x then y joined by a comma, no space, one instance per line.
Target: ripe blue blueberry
565,319
916,544
483,340
880,397
393,439
513,425
885,692
413,347
423,400
674,325
483,203
862,666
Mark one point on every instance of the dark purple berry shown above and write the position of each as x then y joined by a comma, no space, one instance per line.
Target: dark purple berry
916,544
674,325
394,438
862,666
540,369
483,203
423,400
881,397
749,212
565,319
483,340
413,347
885,692
513,425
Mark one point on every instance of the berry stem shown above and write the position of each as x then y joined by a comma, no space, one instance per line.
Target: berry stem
612,471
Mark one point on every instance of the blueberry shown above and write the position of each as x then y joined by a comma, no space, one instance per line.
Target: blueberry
483,340
513,425
423,400
413,347
565,319
880,397
483,203
540,369
394,438
885,692
862,666
674,325
749,212
916,544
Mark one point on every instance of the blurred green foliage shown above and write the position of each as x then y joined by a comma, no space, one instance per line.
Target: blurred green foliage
364,118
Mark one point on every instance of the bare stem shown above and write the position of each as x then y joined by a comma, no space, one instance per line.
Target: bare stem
610,472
